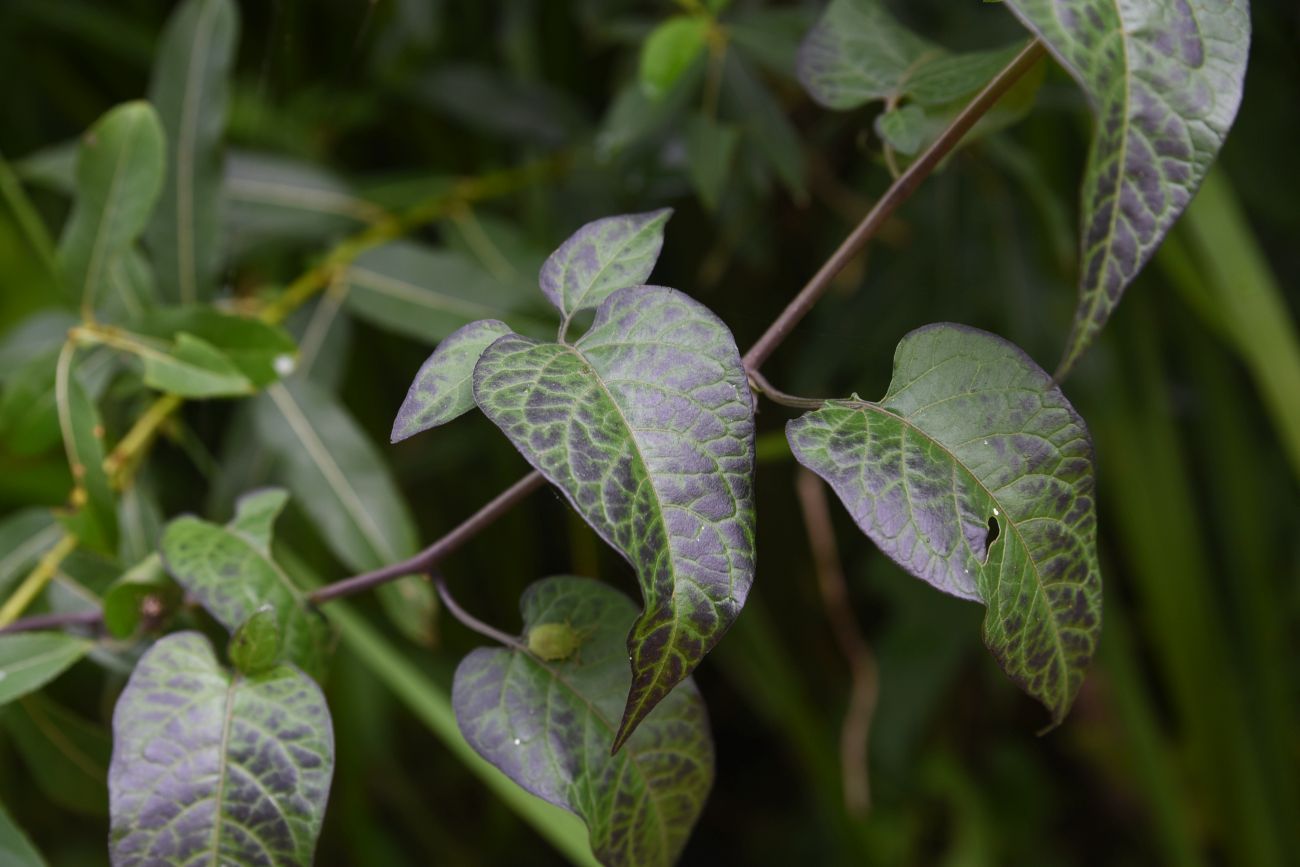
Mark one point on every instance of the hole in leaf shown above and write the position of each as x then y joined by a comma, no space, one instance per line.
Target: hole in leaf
994,532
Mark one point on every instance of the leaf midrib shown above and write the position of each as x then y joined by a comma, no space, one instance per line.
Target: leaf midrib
223,767
105,219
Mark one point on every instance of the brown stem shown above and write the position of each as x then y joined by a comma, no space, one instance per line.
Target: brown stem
864,687
54,621
759,383
900,191
469,620
426,559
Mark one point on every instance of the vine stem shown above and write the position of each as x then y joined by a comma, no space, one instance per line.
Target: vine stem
469,620
900,191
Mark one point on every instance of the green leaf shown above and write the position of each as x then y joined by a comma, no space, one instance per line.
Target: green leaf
603,256
646,425
66,754
29,660
15,849
143,591
29,418
95,521
547,725
260,352
751,106
341,481
425,293
710,147
230,572
131,288
443,388
974,473
119,174
25,536
1164,80
255,646
903,128
213,768
669,51
192,368
189,88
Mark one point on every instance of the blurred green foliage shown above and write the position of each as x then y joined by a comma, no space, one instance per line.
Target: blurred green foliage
1184,746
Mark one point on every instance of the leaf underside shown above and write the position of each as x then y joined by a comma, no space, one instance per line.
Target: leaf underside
646,425
547,725
974,473
1164,78
214,769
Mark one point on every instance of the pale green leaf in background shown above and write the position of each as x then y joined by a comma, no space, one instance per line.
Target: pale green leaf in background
29,660
15,849
669,51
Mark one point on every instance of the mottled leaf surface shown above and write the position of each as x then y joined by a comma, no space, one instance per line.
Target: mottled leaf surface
548,724
1164,78
603,256
974,473
211,768
646,424
444,386
119,175
29,660
190,88
229,570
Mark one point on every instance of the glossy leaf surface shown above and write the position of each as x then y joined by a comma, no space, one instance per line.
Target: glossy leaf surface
547,725
29,660
974,473
444,386
1164,80
646,425
230,572
119,175
189,87
211,768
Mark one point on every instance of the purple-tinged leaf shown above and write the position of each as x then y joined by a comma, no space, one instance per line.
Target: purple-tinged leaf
1164,78
547,725
646,424
974,473
230,572
214,768
444,387
603,256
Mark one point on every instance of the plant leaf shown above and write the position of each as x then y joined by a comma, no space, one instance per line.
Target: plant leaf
603,256
1165,81
29,660
231,573
66,754
213,768
255,646
193,368
347,490
95,521
259,351
444,386
974,473
710,147
119,175
669,51
29,417
547,725
189,87
15,849
25,536
144,585
646,424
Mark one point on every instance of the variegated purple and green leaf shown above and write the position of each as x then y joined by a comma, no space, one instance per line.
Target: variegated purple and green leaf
1164,78
211,767
601,257
230,572
444,386
974,473
547,724
646,424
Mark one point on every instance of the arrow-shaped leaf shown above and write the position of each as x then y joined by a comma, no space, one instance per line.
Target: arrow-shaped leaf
974,473
229,570
547,724
646,424
1164,78
211,768
444,386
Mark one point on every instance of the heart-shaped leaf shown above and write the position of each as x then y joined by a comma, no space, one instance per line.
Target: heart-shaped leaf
190,88
229,570
547,724
603,256
1164,80
974,473
211,768
444,386
646,424
30,660
119,175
